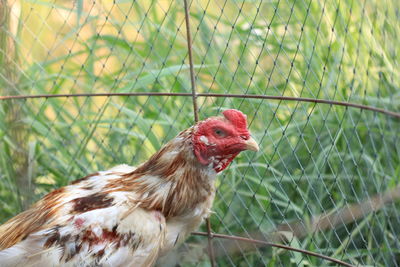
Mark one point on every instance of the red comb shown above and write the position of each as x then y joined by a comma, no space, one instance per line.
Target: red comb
236,117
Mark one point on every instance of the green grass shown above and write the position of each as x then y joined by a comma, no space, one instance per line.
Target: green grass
313,158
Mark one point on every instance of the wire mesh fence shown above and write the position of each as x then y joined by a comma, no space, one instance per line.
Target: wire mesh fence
318,80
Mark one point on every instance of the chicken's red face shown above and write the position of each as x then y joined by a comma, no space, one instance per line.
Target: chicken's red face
219,140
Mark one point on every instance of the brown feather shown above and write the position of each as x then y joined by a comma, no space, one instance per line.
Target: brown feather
35,219
173,191
190,186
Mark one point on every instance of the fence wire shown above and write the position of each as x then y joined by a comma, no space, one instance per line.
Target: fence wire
88,85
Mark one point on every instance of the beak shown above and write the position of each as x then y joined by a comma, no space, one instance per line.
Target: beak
251,144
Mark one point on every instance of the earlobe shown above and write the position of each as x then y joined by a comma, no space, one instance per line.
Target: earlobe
203,159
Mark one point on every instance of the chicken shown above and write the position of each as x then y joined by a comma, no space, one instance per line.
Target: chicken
129,216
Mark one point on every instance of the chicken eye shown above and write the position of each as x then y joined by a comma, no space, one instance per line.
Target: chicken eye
219,132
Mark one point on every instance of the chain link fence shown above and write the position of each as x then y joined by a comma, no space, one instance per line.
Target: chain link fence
94,84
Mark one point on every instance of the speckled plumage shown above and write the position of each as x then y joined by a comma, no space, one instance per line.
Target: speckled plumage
124,216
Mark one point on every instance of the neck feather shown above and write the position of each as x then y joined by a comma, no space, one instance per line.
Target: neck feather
172,180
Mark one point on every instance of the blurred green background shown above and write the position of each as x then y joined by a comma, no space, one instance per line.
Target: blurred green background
314,159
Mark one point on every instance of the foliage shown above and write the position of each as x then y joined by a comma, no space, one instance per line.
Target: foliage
314,158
